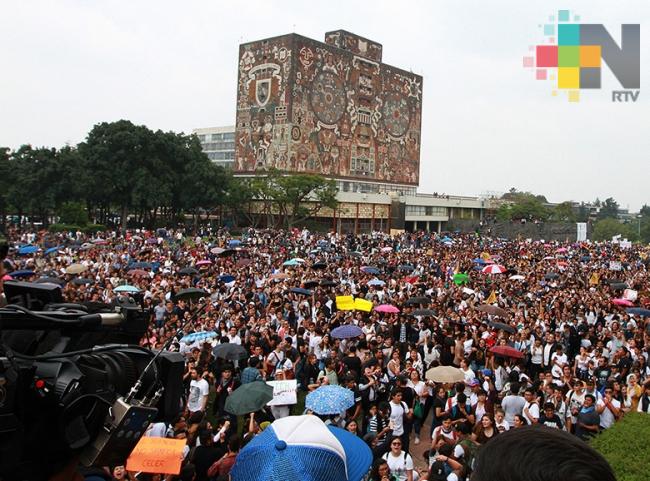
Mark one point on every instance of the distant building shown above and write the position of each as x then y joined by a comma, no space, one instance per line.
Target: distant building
332,108
218,143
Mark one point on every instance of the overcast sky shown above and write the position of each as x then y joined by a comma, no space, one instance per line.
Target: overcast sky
488,125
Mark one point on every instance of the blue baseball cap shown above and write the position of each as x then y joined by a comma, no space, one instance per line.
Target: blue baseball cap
302,448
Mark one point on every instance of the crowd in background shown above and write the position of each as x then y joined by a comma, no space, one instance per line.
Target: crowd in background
573,313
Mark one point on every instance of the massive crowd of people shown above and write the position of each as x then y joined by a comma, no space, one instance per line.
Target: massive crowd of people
544,333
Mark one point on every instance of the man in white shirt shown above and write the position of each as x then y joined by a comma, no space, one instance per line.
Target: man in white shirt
531,408
608,408
197,399
233,337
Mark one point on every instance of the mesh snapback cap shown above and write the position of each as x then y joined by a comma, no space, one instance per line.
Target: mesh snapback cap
302,448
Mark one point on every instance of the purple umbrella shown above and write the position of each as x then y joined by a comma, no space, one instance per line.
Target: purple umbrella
347,331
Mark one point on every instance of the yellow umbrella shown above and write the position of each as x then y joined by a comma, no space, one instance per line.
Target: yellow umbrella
76,269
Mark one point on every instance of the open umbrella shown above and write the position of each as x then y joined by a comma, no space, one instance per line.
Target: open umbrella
319,265
493,269
248,398
191,294
492,310
445,374
479,261
507,351
140,265
226,278
23,273
329,400
52,250
51,280
346,331
126,288
503,327
638,311
80,281
28,249
188,271
551,276
76,269
387,308
310,283
619,286
291,262
406,268
460,278
418,300
355,254
300,290
151,240
279,276
386,249
229,351
622,302
204,262
423,312
228,252
376,282
328,283
198,336
371,270
234,243
516,277
217,250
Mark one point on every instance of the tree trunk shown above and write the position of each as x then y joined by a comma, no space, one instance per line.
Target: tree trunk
125,215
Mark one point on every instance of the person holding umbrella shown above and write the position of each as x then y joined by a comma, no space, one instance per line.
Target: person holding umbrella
224,386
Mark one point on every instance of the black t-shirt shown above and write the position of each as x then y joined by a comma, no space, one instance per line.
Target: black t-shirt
353,363
408,396
552,422
203,458
439,403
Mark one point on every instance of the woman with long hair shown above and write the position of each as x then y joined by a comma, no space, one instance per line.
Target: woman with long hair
484,430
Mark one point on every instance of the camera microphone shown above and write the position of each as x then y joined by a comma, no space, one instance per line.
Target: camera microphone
103,319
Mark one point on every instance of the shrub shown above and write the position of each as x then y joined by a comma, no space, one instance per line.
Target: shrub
87,229
73,213
625,446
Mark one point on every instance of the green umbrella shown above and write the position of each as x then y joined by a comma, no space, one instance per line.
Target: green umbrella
248,398
461,278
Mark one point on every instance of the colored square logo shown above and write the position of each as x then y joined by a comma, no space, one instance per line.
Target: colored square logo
563,15
590,55
568,77
568,34
589,78
546,55
574,95
549,29
568,56
540,74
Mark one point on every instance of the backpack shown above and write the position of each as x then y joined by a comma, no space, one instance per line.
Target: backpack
469,456
438,471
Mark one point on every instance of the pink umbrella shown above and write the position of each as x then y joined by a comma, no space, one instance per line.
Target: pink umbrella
622,302
7,277
493,269
204,262
562,249
387,308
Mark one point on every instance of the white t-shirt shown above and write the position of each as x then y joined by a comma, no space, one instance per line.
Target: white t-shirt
397,416
607,418
533,410
198,389
399,465
562,360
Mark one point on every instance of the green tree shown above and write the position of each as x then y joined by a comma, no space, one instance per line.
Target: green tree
6,179
583,213
607,228
645,210
608,209
73,213
563,212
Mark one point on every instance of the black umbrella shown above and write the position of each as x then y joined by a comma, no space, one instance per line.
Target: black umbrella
311,283
619,286
227,252
191,294
50,280
328,283
319,265
82,280
418,300
355,254
188,271
140,265
423,312
229,351
406,268
503,327
551,275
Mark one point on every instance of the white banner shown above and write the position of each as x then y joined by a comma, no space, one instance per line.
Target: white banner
581,228
284,392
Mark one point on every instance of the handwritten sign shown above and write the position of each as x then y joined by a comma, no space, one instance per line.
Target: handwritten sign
157,455
284,392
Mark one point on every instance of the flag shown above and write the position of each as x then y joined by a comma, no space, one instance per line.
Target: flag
492,298
594,279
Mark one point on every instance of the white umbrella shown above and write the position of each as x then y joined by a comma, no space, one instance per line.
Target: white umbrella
493,269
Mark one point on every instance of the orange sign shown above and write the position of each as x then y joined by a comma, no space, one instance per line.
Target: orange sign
157,455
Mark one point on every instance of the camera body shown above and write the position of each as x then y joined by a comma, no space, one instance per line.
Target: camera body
75,384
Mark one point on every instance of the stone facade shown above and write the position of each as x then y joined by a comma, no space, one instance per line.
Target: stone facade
332,108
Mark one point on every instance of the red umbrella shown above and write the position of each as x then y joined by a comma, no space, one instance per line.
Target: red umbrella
507,351
137,272
493,269
622,302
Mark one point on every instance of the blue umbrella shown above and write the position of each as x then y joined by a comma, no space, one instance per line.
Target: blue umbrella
234,243
52,250
371,270
479,261
140,265
126,288
329,400
199,336
28,249
300,290
25,273
376,282
637,311
227,278
585,258
346,331
291,262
